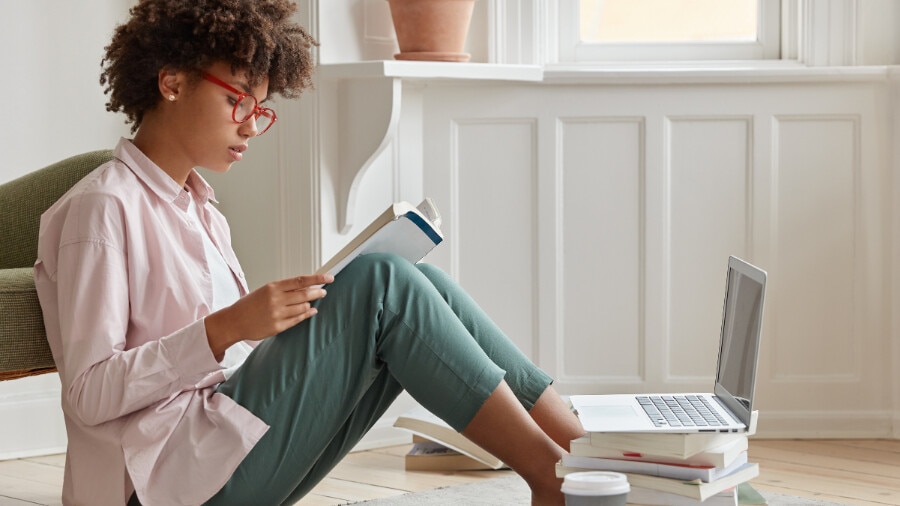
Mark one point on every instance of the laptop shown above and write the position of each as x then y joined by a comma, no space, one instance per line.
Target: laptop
729,407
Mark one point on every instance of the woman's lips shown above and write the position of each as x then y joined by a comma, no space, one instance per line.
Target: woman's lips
237,152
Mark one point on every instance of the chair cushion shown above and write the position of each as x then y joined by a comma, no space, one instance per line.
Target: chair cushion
23,345
23,200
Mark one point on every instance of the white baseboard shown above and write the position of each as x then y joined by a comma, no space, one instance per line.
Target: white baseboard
772,425
383,436
826,425
383,433
32,425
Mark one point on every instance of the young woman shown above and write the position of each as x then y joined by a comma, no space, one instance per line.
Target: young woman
179,386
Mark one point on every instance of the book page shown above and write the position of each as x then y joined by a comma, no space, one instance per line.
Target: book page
411,232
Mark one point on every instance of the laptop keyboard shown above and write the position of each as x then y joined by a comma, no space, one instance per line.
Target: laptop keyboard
680,411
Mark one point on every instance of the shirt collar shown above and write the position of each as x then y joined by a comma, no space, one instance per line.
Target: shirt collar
158,181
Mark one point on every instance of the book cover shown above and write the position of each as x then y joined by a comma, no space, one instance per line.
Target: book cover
683,472
423,423
431,456
406,230
721,456
692,489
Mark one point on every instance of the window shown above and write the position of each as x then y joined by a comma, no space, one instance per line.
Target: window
643,30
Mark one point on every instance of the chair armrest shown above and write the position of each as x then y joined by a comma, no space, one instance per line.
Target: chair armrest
24,350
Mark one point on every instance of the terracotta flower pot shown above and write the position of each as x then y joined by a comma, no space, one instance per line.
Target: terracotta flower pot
432,29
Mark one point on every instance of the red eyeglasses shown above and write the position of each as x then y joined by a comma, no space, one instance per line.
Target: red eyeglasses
246,106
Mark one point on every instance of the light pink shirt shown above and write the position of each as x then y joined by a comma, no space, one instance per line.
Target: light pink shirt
124,284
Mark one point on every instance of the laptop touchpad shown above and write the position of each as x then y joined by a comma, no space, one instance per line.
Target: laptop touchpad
620,412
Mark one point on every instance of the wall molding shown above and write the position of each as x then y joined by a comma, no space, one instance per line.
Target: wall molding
894,336
827,32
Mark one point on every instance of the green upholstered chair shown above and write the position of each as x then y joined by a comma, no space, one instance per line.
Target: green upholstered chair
23,343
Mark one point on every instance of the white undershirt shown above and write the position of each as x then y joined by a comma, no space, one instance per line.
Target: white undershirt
225,291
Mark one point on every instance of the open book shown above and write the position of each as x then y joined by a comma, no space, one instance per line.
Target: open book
425,424
428,455
406,230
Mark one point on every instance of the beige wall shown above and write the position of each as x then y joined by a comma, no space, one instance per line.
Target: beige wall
54,105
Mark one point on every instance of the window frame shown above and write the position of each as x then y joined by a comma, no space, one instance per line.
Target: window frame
814,33
766,47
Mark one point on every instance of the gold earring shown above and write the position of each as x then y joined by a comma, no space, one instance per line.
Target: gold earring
171,98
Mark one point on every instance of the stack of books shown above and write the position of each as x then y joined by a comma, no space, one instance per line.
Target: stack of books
672,469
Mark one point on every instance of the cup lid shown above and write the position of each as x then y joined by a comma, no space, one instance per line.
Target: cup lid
595,483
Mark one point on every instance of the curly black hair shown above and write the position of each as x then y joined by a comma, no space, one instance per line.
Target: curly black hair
254,36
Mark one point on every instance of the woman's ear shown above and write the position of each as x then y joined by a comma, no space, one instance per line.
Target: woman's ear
170,83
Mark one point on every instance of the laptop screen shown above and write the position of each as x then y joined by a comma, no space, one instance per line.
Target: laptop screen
741,329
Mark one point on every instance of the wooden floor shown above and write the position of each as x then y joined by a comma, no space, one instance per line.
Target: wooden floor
859,472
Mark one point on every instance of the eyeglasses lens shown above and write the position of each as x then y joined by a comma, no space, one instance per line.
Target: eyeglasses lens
264,120
244,109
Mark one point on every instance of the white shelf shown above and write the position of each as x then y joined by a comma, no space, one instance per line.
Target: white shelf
722,73
432,70
622,73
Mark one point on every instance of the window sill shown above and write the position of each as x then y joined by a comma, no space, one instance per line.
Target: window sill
737,72
430,70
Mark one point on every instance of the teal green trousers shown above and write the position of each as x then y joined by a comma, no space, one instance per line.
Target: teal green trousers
386,325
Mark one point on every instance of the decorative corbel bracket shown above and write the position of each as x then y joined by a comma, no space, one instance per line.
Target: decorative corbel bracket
360,112
368,114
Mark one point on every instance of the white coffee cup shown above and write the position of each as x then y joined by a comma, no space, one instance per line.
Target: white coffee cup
596,488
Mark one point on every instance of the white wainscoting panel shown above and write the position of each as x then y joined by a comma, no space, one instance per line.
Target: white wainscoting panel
494,236
708,179
618,228
816,215
601,170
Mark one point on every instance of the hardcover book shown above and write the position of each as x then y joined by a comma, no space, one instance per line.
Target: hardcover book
423,423
721,456
403,229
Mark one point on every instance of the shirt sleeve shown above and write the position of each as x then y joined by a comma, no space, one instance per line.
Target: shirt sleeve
102,379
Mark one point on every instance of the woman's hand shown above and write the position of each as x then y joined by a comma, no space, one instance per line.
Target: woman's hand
266,311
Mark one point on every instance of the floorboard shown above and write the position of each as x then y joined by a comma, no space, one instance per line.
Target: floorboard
864,472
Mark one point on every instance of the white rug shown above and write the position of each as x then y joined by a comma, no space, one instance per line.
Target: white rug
512,491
